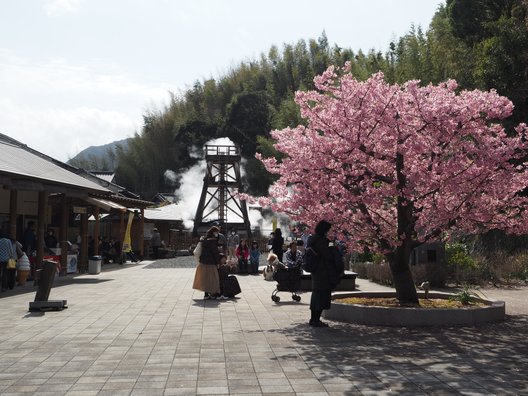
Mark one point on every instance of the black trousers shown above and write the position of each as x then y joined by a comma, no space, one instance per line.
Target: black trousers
3,274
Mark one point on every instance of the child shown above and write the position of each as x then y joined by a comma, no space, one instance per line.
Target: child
242,254
254,257
229,286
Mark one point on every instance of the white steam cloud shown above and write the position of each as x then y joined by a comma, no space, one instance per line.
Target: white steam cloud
191,185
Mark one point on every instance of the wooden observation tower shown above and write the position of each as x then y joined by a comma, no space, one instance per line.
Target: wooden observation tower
221,183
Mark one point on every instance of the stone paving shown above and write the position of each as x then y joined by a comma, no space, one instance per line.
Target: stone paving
141,330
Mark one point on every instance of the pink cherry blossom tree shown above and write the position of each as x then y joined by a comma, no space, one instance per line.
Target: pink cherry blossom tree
393,166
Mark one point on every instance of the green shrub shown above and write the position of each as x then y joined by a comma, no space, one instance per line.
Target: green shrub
465,296
457,255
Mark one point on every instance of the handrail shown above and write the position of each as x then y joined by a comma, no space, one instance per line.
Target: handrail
221,150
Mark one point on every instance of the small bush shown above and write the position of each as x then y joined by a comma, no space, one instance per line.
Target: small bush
463,267
465,297
457,255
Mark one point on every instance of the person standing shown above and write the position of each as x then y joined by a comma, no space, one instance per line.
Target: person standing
206,277
277,244
270,242
6,253
155,242
30,238
221,238
304,236
321,278
232,242
15,253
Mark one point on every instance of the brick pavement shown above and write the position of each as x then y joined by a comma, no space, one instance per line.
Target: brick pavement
140,330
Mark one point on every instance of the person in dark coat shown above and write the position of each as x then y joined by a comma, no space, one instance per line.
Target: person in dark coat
29,244
323,277
277,244
50,240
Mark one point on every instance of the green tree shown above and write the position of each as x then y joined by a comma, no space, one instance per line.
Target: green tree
248,116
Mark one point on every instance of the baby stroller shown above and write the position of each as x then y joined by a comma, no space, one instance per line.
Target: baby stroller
288,280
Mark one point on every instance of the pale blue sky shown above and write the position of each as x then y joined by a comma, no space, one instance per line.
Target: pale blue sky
77,73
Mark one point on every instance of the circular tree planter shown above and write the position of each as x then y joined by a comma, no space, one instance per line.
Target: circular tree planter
493,311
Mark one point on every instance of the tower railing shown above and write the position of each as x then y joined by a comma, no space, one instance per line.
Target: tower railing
218,150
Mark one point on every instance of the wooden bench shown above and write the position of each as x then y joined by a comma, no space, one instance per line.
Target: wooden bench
348,282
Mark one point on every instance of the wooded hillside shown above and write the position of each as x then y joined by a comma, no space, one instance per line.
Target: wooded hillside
480,43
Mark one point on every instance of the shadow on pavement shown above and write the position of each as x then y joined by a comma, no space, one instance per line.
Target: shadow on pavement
491,356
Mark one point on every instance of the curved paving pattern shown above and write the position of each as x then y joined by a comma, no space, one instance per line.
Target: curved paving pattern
142,330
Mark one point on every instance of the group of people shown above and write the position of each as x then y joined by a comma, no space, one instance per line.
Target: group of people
212,272
110,250
247,257
14,263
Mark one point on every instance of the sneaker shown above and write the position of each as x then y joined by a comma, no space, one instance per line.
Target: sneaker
207,297
222,297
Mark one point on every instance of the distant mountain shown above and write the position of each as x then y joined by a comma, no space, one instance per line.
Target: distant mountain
101,158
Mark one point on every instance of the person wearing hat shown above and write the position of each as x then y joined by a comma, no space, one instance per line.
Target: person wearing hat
155,242
206,277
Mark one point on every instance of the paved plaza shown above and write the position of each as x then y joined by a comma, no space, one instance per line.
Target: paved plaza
140,329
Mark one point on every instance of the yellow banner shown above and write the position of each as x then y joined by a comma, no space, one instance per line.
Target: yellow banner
127,241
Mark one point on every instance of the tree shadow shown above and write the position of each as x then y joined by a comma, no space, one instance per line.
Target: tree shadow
487,356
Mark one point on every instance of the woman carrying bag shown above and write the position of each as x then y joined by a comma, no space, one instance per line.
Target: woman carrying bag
206,277
7,262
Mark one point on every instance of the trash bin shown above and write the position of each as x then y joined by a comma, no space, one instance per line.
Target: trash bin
94,264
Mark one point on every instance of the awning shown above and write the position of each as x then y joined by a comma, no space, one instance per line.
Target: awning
171,212
105,204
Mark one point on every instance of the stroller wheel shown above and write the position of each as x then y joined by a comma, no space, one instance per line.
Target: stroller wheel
275,298
296,298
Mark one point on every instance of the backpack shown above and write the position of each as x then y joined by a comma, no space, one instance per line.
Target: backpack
310,260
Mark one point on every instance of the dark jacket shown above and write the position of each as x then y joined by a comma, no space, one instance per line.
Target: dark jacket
321,277
338,268
210,254
330,266
277,245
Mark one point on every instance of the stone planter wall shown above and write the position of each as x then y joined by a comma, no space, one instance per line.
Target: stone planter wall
402,316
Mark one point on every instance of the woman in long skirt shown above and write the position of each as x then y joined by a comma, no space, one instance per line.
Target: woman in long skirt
206,276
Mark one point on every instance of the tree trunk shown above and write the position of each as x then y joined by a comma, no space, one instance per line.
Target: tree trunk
402,276
399,260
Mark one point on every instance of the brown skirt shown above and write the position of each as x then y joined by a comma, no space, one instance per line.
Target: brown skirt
206,279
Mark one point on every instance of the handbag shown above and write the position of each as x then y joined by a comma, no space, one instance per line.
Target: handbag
11,263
